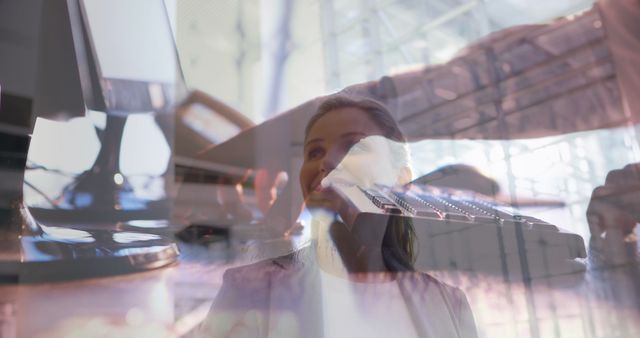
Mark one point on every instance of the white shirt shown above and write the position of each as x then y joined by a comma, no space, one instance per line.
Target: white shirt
364,309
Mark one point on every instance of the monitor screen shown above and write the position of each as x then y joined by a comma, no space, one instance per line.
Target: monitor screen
132,40
134,53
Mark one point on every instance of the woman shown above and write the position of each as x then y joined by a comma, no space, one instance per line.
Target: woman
343,284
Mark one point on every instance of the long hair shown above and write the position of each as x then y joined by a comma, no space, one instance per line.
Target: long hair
399,241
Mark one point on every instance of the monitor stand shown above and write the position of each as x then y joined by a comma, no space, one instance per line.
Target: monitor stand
102,190
33,252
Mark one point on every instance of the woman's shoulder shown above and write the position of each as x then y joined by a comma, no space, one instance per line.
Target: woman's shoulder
422,282
285,263
426,290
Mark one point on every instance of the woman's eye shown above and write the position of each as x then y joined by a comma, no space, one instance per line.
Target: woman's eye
314,153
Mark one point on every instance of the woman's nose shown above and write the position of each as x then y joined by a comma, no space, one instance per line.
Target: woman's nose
327,165
329,162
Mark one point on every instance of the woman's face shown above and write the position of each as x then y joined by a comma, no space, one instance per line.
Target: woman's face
327,144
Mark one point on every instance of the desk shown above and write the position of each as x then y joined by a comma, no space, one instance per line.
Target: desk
602,302
167,302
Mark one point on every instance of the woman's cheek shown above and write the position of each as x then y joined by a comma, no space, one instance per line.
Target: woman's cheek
305,179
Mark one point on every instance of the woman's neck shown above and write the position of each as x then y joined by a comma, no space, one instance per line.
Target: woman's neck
339,253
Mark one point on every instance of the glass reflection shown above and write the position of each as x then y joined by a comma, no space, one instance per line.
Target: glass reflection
524,105
69,235
131,237
532,116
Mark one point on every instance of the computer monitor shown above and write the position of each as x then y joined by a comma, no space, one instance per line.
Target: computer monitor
125,63
76,70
